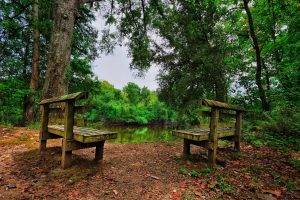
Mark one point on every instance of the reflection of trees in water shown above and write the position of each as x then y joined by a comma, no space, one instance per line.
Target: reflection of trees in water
140,134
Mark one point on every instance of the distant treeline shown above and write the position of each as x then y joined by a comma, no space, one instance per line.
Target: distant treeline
131,105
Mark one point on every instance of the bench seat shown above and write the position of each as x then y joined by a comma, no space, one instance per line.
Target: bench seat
83,134
202,134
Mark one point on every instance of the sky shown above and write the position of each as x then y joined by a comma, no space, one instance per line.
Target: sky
115,67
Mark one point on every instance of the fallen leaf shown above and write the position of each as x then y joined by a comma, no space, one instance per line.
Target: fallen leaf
212,184
277,192
11,186
265,196
154,177
175,195
115,192
197,193
182,184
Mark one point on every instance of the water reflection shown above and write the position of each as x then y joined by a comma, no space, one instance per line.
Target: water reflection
128,134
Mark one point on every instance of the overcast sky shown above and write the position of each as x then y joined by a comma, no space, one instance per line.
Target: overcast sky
115,68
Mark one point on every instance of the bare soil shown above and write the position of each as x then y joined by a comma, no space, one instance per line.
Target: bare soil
141,171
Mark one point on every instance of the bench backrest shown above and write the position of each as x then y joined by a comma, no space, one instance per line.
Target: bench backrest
218,108
69,111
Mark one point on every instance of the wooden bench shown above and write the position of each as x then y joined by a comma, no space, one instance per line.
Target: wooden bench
208,137
73,137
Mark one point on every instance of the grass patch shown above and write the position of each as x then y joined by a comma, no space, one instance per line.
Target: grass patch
223,185
206,171
274,140
296,164
194,173
277,179
254,169
34,125
183,171
290,185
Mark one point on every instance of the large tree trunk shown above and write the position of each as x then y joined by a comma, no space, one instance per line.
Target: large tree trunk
35,63
60,48
261,90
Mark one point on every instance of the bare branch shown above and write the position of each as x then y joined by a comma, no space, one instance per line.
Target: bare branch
88,1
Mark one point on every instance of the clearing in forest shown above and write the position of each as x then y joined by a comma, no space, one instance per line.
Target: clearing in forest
145,170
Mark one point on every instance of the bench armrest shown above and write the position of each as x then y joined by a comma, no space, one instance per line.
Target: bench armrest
65,98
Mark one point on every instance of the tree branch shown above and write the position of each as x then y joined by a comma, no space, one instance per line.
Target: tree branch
88,1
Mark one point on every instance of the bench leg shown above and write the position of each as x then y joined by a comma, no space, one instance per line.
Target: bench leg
237,142
212,153
42,150
186,148
99,151
66,156
42,147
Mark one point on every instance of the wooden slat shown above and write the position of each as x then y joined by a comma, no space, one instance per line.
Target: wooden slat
60,109
43,132
213,137
84,135
238,130
69,120
67,97
221,105
202,134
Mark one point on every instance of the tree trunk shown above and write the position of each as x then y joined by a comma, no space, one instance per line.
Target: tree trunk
220,86
25,65
35,63
267,76
60,48
261,90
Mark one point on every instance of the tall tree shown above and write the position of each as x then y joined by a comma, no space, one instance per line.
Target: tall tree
181,37
59,56
60,48
34,80
259,65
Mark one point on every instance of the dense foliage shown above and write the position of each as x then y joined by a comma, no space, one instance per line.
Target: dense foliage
240,51
131,105
16,52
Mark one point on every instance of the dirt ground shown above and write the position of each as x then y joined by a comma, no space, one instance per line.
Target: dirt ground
141,171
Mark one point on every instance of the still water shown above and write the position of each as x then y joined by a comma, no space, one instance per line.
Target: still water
129,134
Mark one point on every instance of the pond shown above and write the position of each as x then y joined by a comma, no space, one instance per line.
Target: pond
132,134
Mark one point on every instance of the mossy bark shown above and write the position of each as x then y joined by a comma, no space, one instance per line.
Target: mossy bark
60,48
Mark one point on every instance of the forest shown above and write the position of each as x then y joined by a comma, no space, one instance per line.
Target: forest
242,52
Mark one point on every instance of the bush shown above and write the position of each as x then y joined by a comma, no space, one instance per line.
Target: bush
12,95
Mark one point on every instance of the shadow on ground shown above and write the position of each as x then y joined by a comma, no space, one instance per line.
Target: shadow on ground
31,165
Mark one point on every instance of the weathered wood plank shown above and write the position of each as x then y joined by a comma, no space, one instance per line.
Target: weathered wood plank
99,151
238,130
75,145
67,97
84,135
186,148
66,158
220,105
68,134
44,128
203,135
213,137
60,109
69,120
